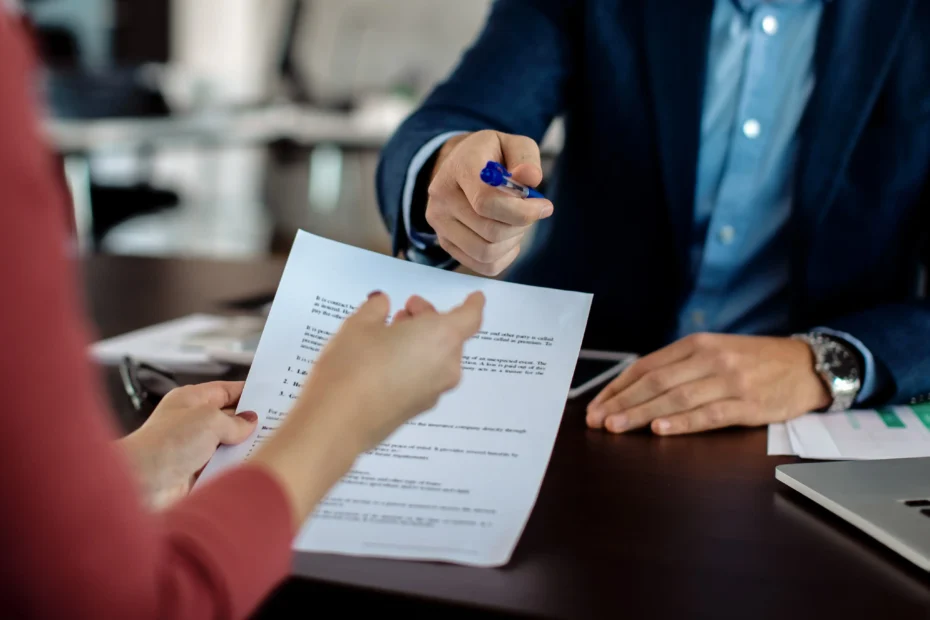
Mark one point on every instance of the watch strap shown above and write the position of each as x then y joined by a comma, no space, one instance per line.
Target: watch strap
843,387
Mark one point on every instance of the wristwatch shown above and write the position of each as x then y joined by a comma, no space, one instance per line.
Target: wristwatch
838,367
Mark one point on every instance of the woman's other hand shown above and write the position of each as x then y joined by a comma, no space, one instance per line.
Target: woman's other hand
181,435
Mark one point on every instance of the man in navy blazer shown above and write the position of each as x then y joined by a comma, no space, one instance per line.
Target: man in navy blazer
742,187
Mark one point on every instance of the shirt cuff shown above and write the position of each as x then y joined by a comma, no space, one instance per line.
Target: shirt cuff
421,240
868,379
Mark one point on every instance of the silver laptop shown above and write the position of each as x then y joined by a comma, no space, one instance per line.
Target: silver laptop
888,499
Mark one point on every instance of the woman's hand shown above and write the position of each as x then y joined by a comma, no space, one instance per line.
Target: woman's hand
175,443
371,378
382,375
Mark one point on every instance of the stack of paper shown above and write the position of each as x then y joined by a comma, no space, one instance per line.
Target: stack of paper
198,343
887,433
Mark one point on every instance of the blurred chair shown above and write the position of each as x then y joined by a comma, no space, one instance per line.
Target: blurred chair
345,49
351,55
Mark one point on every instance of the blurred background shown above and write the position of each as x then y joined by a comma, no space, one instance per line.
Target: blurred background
217,128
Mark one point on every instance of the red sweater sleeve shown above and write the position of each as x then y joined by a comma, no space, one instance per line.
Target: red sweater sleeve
76,539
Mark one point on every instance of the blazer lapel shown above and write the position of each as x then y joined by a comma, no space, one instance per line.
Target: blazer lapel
677,33
857,41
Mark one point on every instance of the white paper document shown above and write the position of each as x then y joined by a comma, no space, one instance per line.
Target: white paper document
165,345
197,343
779,443
887,433
458,483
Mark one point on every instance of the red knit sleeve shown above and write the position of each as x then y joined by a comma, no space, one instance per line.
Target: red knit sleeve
77,541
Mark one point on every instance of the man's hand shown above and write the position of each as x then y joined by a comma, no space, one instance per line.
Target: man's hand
480,226
174,444
709,381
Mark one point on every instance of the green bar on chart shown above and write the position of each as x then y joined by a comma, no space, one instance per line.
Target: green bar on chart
890,418
923,413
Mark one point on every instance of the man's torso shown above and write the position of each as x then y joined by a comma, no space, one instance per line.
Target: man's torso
634,112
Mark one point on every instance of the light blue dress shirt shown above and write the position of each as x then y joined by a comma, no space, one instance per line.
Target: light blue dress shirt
760,77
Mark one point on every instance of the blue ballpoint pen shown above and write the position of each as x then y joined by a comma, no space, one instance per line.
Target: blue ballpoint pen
497,176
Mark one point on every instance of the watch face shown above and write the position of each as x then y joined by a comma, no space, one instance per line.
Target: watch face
838,366
840,362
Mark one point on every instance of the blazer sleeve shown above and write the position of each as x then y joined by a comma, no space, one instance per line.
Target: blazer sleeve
898,334
512,79
77,541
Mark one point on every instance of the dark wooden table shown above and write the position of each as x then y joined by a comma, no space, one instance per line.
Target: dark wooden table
625,527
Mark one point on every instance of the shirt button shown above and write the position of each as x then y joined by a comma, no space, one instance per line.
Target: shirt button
752,129
769,25
726,234
697,317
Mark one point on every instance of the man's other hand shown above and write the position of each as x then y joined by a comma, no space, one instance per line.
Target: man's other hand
709,381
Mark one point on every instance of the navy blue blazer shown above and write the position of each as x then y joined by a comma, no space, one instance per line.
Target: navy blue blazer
627,76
